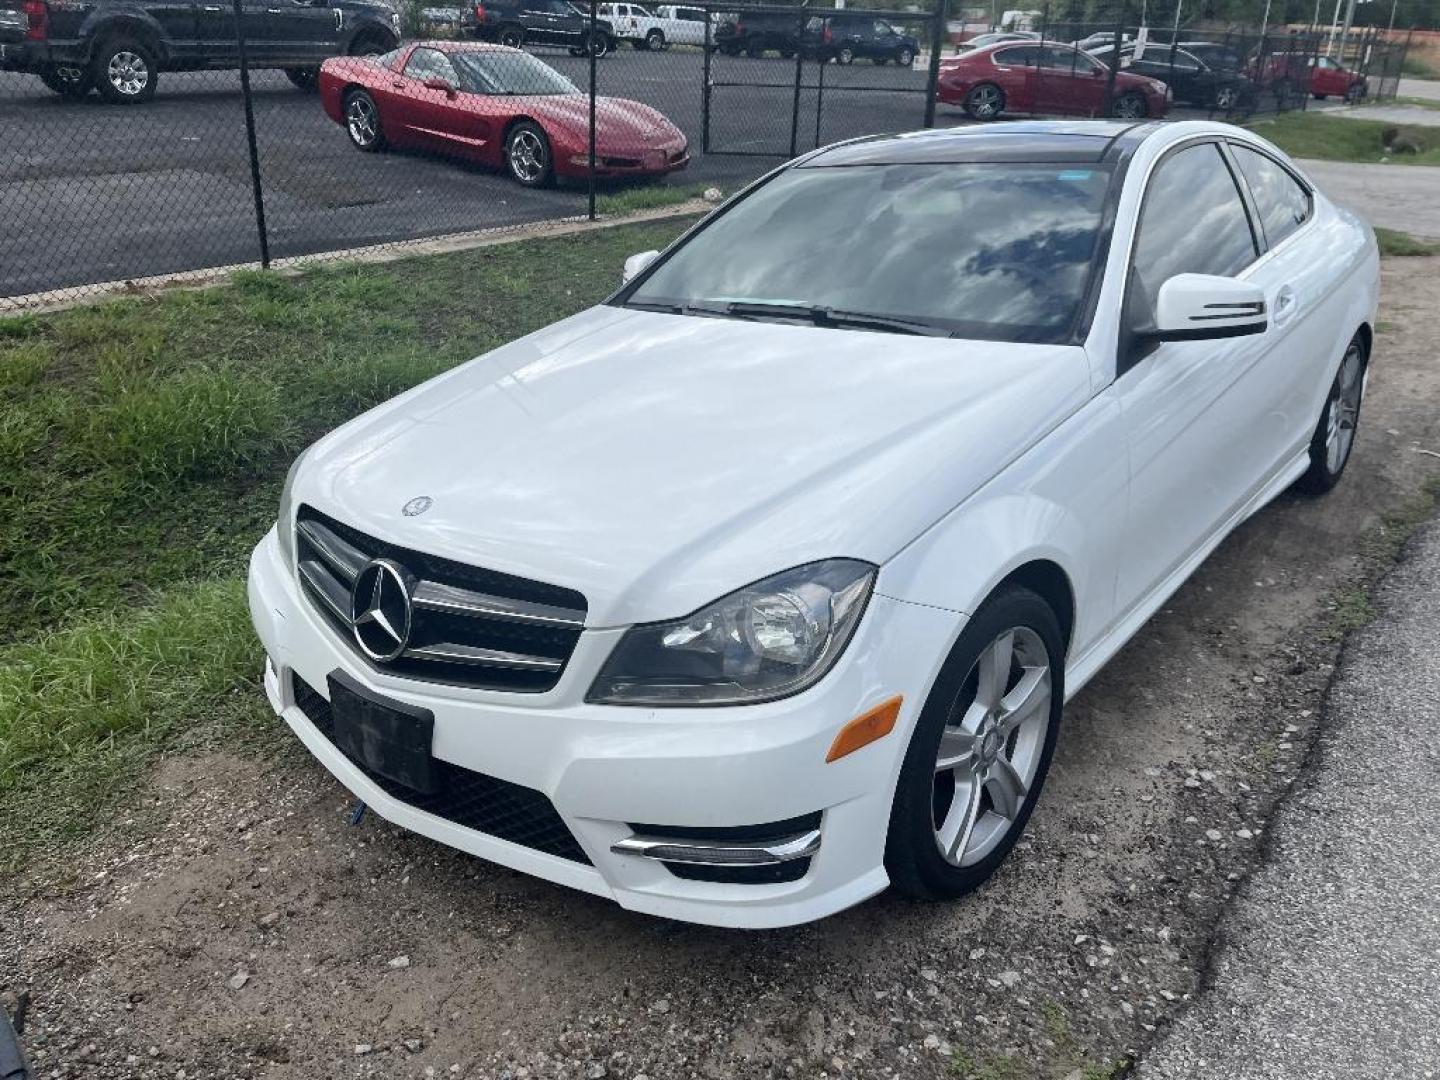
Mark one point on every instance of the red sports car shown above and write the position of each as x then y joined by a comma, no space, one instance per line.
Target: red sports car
497,106
1044,77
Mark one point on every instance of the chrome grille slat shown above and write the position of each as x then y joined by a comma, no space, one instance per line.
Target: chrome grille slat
463,625
323,584
436,596
344,558
453,653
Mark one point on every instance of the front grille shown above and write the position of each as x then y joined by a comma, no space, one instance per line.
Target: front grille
469,626
495,807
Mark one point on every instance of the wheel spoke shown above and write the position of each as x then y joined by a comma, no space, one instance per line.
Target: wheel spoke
1007,790
1028,700
954,833
994,670
956,751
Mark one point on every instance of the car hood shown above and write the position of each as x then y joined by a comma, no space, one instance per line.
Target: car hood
618,121
656,462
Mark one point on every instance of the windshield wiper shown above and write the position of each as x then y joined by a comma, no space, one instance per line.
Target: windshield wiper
820,315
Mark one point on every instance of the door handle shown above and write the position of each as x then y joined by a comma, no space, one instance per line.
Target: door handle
399,84
1286,304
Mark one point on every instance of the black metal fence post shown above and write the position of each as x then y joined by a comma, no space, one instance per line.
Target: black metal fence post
932,77
705,89
590,48
250,136
1115,62
799,78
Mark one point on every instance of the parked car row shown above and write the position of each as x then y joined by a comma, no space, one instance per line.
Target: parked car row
842,37
1045,77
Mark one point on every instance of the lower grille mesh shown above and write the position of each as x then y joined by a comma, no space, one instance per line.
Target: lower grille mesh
495,807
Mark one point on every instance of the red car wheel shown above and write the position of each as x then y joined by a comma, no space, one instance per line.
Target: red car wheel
362,121
527,153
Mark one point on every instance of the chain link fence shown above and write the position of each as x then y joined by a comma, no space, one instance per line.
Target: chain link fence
150,139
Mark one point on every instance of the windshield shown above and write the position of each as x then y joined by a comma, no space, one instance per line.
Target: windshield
508,73
1001,252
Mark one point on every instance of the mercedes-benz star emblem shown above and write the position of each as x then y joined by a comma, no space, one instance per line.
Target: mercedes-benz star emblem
380,610
417,506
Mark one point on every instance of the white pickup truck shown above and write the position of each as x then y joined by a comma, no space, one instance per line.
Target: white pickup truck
657,28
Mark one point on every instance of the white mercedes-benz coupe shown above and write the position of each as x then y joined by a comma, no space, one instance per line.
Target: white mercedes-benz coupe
761,585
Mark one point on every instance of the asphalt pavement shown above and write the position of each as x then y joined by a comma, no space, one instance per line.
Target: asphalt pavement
1329,962
95,192
1403,197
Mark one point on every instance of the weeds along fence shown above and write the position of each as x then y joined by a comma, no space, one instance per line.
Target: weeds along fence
204,136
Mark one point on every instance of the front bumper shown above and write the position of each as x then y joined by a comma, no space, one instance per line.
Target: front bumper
603,767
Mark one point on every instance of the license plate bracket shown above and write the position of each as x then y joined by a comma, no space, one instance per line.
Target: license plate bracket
388,737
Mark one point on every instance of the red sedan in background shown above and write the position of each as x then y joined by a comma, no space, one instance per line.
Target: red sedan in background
1329,78
1044,77
495,106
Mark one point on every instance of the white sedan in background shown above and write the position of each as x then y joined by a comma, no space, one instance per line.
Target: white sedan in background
761,585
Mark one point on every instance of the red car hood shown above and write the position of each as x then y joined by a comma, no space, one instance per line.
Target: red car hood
619,122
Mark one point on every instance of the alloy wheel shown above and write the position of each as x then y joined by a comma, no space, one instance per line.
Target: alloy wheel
128,73
527,157
984,102
1225,98
1129,107
361,120
1344,409
991,746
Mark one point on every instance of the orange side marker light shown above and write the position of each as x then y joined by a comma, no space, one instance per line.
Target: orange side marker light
866,728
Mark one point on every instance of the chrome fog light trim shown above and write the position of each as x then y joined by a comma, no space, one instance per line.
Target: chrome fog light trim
707,853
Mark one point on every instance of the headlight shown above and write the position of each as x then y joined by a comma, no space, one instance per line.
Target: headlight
766,641
285,520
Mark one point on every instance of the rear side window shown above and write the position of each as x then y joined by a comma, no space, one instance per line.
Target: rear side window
1283,204
1026,54
1193,222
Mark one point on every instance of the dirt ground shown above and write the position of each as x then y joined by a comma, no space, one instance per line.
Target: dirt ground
235,925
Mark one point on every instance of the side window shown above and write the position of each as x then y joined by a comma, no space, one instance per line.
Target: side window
1027,54
882,28
1283,204
1193,222
430,64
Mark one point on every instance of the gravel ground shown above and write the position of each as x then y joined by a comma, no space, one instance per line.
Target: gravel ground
233,925
1328,968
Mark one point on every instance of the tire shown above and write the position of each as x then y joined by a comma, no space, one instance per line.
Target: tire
754,51
68,81
985,101
787,52
1130,107
656,40
1319,97
1226,98
1334,436
362,122
125,71
994,714
513,37
905,58
845,55
600,44
306,78
370,45
528,155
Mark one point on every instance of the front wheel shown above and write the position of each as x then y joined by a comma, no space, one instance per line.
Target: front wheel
905,58
985,102
1129,107
597,45
656,40
362,122
1334,435
125,71
512,37
68,80
980,751
846,55
527,153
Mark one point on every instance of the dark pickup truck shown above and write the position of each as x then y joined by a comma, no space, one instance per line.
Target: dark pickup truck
119,47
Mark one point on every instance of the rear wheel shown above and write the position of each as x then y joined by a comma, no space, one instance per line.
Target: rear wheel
597,44
125,71
1129,107
362,121
754,50
306,78
905,57
527,153
846,55
656,40
68,80
985,102
1334,435
369,45
1225,98
512,37
980,751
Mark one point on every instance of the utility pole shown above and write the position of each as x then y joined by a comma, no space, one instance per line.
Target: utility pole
1345,30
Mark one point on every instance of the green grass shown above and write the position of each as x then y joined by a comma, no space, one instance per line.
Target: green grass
646,197
1417,68
1393,242
1416,102
144,443
1337,138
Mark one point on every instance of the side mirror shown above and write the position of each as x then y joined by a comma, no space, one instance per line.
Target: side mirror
440,84
1200,307
636,263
